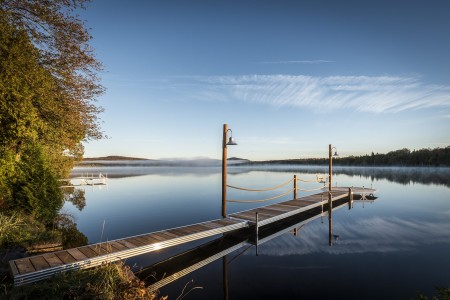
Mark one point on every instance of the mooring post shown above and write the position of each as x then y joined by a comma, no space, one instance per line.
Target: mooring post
295,187
330,167
330,224
350,198
224,171
225,277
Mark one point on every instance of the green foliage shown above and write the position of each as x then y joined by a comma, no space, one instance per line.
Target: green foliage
34,186
438,157
47,85
20,230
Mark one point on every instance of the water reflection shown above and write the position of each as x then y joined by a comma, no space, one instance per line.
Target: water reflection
406,229
402,175
175,267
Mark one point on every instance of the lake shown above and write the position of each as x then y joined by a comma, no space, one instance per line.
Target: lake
390,248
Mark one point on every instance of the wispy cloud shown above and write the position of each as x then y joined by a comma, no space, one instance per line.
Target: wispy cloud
377,94
317,61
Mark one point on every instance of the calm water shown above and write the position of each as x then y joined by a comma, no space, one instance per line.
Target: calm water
391,248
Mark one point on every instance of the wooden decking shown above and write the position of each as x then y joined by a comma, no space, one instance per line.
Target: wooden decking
275,212
35,268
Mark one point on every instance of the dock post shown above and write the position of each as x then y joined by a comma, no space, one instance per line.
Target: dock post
295,187
224,171
350,198
330,218
256,224
330,167
225,277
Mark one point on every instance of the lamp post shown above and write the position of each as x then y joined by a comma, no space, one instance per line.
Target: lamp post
330,165
230,142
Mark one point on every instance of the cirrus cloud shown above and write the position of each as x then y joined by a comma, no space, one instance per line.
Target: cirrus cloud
376,94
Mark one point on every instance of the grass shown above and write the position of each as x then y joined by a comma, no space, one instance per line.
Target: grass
109,281
19,230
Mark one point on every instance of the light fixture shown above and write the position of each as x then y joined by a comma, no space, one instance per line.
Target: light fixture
231,140
335,151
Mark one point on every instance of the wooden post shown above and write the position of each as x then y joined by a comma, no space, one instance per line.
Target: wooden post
330,218
257,232
350,198
224,171
330,167
225,277
295,187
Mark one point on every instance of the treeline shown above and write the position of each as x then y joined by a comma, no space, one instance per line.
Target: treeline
437,157
48,89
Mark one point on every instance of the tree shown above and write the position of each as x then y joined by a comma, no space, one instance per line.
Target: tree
59,44
48,88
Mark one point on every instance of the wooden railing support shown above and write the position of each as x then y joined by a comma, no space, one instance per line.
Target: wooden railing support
350,198
295,186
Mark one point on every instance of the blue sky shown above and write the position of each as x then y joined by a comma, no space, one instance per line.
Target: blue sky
289,77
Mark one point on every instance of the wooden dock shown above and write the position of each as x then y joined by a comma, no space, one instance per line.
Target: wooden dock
175,267
39,267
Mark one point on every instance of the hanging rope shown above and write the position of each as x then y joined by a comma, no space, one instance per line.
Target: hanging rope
311,190
260,190
262,200
302,180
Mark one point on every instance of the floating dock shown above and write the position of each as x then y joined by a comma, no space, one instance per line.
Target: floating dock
39,267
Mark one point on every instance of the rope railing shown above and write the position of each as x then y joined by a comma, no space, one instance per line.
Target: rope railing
260,190
261,200
302,180
310,190
319,179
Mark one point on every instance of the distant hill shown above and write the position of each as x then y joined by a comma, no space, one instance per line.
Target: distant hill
112,158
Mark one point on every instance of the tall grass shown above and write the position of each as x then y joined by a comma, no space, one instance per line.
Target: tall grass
109,281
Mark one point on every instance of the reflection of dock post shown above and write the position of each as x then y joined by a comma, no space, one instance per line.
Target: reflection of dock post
257,231
330,224
225,277
350,198
295,186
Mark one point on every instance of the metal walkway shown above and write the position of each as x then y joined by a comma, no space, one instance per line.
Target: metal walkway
39,267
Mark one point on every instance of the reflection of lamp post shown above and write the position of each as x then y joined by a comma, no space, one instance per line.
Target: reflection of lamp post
330,164
231,141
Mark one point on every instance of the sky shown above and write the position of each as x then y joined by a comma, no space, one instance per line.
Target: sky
288,77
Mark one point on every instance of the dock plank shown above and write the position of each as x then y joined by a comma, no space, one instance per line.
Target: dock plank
135,241
88,252
65,257
39,262
52,259
119,246
127,244
282,207
77,254
24,265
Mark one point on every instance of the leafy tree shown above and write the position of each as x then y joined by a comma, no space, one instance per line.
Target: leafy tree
48,87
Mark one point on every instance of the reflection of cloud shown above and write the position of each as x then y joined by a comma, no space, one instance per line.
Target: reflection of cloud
376,94
368,235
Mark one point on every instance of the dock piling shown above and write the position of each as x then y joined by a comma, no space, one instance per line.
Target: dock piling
295,187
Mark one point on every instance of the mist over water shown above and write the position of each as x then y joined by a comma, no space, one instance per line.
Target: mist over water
390,248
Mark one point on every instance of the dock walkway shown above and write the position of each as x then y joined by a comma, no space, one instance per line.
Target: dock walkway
39,267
